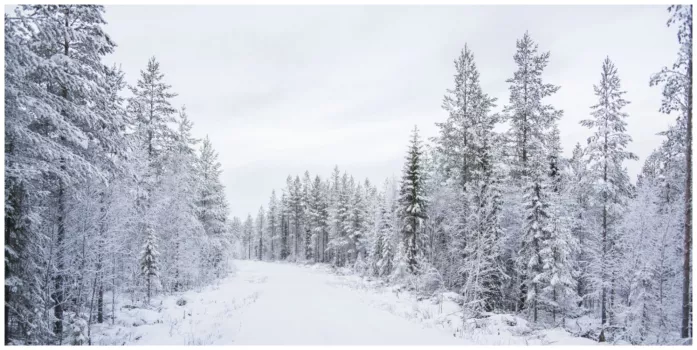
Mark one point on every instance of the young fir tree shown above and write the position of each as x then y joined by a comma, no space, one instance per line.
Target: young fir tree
212,204
412,203
149,266
607,151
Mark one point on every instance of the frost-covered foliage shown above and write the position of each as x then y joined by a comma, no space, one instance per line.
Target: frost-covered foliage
92,179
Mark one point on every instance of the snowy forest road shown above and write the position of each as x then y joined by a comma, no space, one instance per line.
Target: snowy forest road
301,305
273,304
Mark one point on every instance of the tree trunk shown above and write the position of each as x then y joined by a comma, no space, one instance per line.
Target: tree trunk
58,294
686,295
58,297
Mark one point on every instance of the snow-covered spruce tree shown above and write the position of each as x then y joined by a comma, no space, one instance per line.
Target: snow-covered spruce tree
560,249
677,96
412,203
372,211
212,206
296,214
340,241
318,217
530,120
579,192
334,189
260,228
149,258
356,226
465,142
306,193
285,226
272,225
385,243
248,234
180,192
151,107
607,151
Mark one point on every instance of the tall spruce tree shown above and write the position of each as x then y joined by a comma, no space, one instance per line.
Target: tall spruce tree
530,120
412,203
607,151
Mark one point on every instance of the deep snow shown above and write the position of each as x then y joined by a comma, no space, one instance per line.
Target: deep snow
287,304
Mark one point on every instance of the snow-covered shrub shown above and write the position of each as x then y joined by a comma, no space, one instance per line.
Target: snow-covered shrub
430,282
77,326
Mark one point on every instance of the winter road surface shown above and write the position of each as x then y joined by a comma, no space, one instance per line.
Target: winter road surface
299,305
272,304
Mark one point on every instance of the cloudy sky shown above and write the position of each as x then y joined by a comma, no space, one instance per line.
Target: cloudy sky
284,89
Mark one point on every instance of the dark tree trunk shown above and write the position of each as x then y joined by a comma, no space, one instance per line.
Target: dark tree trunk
14,237
686,295
58,297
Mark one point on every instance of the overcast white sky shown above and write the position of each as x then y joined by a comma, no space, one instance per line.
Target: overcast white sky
284,89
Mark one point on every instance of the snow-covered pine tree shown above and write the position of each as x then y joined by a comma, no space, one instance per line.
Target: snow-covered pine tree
412,202
607,151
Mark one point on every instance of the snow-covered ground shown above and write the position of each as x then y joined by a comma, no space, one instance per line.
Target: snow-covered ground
284,304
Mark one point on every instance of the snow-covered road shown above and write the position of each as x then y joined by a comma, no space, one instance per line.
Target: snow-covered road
301,305
270,303
285,304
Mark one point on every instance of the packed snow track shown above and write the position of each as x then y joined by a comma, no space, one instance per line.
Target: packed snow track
274,304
